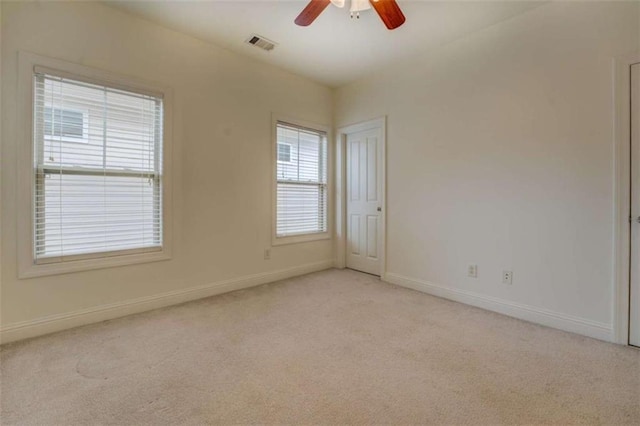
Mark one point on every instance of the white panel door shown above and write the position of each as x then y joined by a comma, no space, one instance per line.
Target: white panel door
634,319
364,200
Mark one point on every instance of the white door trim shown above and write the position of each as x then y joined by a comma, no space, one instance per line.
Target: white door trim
341,190
622,230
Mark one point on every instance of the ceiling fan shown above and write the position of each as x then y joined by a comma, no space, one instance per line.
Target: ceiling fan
388,10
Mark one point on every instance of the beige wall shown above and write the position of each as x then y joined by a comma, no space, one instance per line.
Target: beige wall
222,141
500,154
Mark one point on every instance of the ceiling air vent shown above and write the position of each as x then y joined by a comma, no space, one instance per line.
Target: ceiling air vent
261,42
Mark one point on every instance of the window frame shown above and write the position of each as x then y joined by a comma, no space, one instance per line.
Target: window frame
28,266
307,237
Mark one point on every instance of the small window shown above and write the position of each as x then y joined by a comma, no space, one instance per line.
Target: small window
65,124
284,152
301,183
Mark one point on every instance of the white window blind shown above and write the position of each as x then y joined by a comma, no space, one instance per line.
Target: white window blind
98,170
301,181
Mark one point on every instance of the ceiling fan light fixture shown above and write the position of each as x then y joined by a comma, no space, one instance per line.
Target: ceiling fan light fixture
358,6
388,11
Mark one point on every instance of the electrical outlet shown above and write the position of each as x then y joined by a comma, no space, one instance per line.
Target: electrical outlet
472,271
267,254
507,277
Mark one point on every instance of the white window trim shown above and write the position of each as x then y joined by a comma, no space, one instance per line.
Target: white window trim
27,267
301,238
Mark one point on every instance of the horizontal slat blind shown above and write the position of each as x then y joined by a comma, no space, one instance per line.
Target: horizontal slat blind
98,170
301,181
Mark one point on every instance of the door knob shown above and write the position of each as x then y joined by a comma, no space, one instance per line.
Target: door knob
380,209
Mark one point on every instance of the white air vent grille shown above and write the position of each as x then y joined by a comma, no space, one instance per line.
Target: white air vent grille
261,42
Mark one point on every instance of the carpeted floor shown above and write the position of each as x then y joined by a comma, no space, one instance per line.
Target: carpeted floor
330,347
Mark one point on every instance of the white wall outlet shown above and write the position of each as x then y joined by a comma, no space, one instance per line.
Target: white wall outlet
267,254
507,277
472,271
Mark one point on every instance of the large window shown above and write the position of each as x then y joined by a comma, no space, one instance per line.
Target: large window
301,180
97,169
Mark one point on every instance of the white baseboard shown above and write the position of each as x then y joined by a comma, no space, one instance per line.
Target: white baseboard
53,323
545,317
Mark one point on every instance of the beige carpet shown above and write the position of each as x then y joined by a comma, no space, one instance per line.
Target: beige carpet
330,347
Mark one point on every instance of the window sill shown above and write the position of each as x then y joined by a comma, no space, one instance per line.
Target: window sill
44,269
295,239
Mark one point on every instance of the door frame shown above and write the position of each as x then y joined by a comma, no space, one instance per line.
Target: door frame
341,190
622,194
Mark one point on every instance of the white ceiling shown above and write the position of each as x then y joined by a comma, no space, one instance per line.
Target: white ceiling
335,49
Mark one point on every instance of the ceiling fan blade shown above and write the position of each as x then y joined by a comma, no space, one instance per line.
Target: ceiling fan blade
389,12
311,12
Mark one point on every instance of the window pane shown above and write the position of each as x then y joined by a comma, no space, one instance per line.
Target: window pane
307,155
130,129
121,130
85,214
301,209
